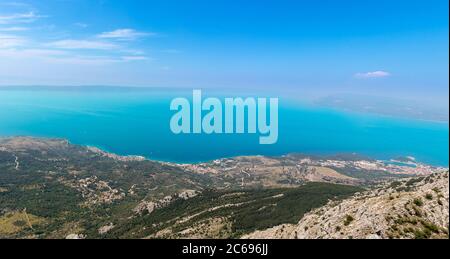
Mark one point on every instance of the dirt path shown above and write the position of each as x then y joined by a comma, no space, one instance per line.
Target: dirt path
28,219
17,162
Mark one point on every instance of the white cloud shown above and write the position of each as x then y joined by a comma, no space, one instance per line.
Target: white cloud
10,41
84,60
134,58
56,57
375,74
82,44
65,57
14,29
124,34
19,18
132,52
31,53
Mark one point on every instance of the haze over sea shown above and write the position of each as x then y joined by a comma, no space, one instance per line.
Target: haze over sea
136,122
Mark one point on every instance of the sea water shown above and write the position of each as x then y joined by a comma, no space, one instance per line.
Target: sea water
137,122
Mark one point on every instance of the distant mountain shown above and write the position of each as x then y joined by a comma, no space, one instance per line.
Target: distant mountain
423,110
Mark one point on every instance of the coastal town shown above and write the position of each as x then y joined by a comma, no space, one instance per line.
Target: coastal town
292,170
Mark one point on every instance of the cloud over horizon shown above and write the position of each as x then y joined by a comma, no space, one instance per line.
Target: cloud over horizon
82,44
18,40
375,74
135,42
11,41
124,34
16,18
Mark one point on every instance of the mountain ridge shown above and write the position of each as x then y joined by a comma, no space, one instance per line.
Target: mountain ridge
50,188
414,208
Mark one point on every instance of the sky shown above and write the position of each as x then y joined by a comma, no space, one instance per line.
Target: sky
380,47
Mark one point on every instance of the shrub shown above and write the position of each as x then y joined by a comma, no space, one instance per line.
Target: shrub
418,202
418,234
395,184
417,211
348,220
19,223
431,227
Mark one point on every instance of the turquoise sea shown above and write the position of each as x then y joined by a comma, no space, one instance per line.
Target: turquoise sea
136,122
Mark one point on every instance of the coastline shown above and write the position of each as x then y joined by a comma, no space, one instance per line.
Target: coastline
403,160
104,118
317,155
139,187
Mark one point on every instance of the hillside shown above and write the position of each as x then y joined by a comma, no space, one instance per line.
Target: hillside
229,214
50,188
415,208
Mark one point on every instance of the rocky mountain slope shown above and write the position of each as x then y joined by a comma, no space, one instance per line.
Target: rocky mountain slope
414,208
50,188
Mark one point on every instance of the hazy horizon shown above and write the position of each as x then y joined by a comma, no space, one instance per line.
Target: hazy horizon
381,48
220,119
423,108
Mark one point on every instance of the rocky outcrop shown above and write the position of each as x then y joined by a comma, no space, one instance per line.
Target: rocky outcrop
413,208
150,206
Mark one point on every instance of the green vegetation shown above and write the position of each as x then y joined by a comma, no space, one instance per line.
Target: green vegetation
418,202
367,175
348,220
414,181
429,196
65,189
417,227
14,222
44,190
395,184
247,211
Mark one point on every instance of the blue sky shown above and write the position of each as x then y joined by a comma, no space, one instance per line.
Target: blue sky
377,47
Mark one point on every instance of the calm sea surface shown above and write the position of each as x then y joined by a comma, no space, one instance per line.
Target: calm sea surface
136,122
